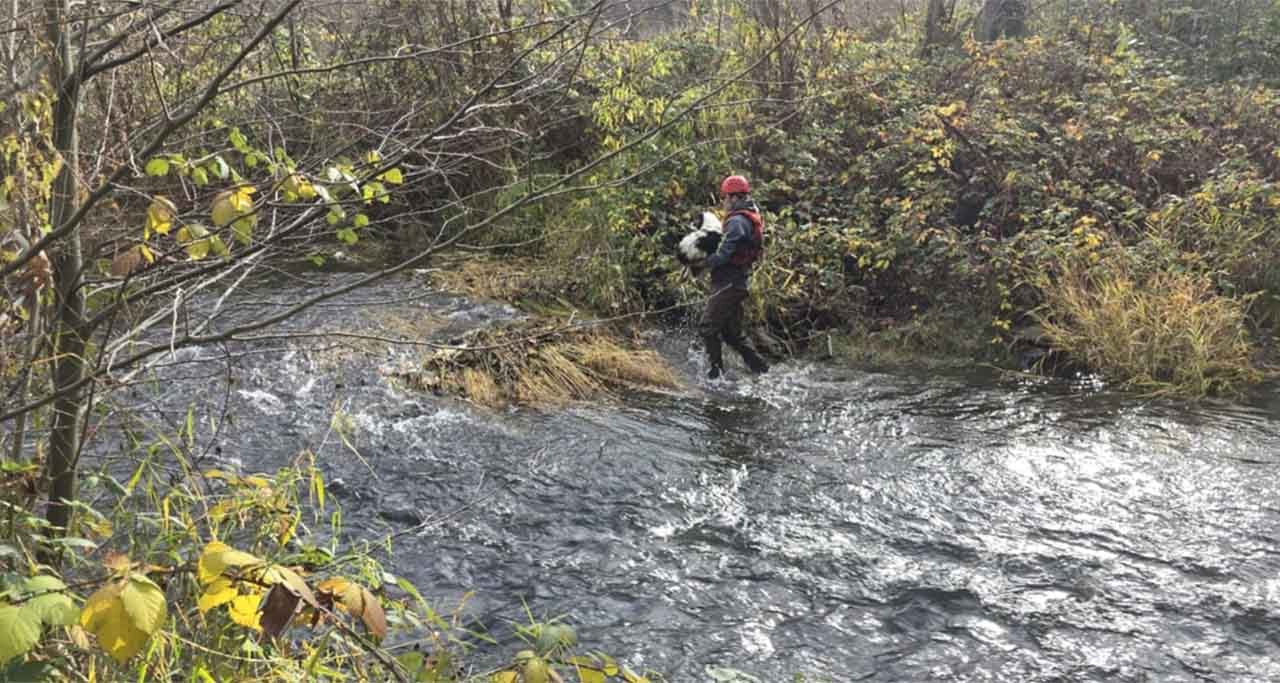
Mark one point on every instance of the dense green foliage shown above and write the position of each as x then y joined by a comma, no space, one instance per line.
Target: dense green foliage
941,193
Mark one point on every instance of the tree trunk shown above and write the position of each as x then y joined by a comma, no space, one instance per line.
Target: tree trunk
936,19
1002,19
69,304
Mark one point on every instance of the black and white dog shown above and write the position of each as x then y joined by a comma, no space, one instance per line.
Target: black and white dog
696,246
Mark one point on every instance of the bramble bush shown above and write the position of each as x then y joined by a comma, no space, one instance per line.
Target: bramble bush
899,188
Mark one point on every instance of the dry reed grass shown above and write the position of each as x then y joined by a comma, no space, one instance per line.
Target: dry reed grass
540,364
1163,332
506,279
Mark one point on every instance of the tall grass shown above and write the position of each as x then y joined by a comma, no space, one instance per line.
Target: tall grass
1166,331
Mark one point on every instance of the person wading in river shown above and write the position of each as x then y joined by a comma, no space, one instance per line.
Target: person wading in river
741,246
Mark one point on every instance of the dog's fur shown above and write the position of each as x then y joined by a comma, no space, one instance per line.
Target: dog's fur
702,242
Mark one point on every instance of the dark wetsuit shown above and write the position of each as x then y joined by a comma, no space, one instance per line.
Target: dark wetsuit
722,318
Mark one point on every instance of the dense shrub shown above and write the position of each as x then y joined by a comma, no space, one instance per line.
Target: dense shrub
898,187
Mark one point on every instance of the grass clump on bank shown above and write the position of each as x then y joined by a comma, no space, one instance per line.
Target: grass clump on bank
535,363
1167,332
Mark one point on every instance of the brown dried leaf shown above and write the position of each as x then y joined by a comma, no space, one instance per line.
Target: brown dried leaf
360,602
278,609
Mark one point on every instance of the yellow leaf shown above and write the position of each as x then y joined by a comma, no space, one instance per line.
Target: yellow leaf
505,677
393,176
244,610
160,215
275,574
144,603
335,586
257,482
194,238
533,669
241,201
104,616
219,593
217,556
224,211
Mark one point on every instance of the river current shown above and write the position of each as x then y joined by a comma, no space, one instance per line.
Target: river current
837,522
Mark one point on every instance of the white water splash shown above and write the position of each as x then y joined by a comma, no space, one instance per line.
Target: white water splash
264,401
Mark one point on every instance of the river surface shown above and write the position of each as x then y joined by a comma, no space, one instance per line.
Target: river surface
842,523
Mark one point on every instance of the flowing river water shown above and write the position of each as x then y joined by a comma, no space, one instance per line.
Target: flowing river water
847,524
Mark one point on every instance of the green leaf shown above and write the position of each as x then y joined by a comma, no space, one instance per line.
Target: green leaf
348,236
30,671
47,601
393,176
218,247
360,220
73,543
19,632
218,166
144,603
199,176
53,609
42,584
243,230
238,141
251,160
157,167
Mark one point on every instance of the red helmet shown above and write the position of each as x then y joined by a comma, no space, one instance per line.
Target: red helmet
735,184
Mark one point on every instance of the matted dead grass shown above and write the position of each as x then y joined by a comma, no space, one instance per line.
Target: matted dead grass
506,279
540,364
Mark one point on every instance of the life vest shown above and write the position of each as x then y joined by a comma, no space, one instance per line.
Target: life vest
745,255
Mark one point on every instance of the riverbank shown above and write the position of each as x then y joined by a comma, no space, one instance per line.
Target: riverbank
1119,220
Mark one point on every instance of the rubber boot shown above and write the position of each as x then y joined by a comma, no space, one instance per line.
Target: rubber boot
756,364
715,357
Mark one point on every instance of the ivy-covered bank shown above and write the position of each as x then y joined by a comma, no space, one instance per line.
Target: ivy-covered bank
1070,198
